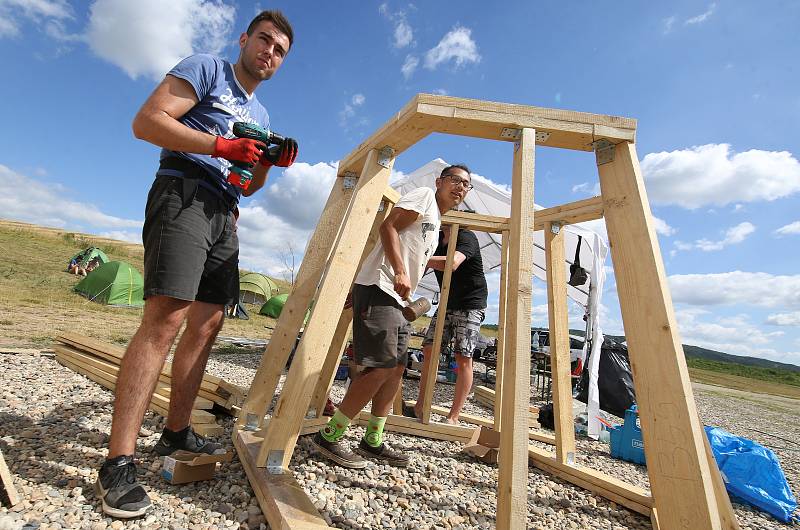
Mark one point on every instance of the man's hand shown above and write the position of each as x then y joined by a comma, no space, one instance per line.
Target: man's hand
284,157
238,149
402,285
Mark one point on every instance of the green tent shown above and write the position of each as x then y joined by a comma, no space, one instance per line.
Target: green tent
274,306
255,288
114,283
83,257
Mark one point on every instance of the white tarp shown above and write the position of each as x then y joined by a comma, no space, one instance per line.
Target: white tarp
486,198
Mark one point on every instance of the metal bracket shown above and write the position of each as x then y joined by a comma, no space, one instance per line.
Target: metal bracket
349,180
382,206
275,463
542,136
555,227
511,133
570,458
251,422
385,156
603,151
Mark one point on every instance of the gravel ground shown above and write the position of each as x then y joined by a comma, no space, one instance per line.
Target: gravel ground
54,426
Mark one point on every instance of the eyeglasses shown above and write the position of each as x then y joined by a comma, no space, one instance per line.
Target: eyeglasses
456,180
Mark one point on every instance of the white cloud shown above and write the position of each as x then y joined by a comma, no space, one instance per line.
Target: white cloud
784,319
349,110
699,19
662,227
14,12
733,236
403,33
712,175
26,199
265,237
790,229
738,336
440,91
123,235
409,66
299,194
457,45
736,287
668,23
148,37
586,188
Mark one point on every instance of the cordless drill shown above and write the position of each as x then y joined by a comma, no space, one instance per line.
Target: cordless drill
240,174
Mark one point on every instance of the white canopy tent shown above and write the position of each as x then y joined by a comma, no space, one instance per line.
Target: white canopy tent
487,198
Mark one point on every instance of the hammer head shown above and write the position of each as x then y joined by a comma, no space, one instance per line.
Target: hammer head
416,309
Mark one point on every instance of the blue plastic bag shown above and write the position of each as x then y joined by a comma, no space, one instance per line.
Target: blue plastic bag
752,474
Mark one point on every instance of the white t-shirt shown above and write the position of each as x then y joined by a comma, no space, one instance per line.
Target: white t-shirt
417,243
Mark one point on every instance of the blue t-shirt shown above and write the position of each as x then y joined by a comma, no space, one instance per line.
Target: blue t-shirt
221,102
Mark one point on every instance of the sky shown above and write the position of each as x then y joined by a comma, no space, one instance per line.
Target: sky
713,85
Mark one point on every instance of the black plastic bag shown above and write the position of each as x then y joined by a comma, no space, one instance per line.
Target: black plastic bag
614,381
546,419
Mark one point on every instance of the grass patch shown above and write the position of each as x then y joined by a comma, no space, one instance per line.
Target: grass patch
744,383
770,375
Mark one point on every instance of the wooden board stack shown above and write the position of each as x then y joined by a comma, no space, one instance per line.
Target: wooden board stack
99,361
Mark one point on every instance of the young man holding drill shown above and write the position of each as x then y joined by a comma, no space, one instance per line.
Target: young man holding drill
380,332
191,250
465,312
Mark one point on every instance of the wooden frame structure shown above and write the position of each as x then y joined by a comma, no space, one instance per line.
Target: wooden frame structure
687,491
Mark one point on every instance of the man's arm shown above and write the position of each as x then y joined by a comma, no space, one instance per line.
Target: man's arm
437,262
157,120
259,172
397,220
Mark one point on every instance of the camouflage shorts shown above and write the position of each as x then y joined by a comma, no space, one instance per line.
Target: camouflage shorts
463,327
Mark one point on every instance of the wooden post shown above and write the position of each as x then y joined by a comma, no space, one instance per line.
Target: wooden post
333,359
677,463
512,479
501,334
559,344
441,316
284,426
293,314
7,490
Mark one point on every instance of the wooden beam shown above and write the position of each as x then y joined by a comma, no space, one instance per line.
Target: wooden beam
512,479
291,319
476,221
632,497
571,213
559,343
282,500
679,468
427,113
8,493
501,334
415,427
281,436
441,318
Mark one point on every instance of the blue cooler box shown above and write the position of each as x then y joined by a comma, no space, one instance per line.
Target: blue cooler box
626,439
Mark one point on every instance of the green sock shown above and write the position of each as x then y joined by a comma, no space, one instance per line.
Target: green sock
374,434
335,428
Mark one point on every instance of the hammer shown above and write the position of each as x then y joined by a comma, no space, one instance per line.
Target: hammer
416,309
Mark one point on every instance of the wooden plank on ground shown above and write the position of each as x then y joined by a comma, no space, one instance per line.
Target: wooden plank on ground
414,427
208,429
282,500
8,493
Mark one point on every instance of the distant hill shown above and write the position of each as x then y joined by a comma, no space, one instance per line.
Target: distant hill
696,352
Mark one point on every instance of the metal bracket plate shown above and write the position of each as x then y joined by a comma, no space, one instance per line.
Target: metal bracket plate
275,463
349,180
511,133
385,156
555,227
570,458
251,422
542,136
603,151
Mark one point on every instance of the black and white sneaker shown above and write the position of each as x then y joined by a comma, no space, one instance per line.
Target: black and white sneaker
121,494
383,454
186,440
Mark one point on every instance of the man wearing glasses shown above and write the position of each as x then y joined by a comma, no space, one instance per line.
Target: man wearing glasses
387,279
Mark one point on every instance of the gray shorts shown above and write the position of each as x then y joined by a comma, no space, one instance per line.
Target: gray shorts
191,250
380,332
463,326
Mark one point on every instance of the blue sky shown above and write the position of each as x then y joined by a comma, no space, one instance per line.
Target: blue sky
713,85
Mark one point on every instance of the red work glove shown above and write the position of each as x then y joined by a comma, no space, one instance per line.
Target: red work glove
238,149
283,157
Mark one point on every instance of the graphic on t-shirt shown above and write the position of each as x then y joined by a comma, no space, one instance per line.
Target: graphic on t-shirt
427,227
